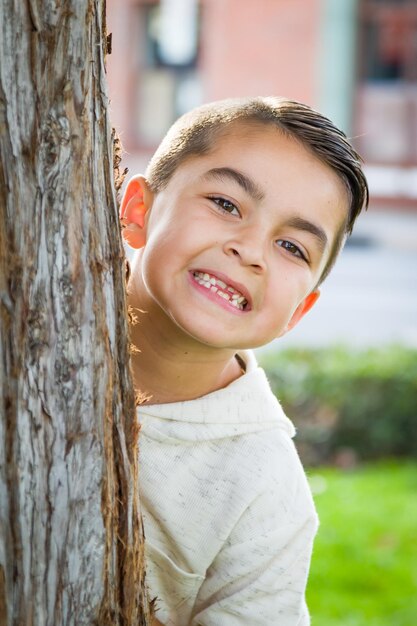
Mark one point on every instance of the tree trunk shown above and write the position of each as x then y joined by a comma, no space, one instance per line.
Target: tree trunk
71,541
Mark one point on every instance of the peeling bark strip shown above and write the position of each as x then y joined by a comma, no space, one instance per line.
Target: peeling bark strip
71,550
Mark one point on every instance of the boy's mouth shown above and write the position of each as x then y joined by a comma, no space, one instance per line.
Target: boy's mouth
222,289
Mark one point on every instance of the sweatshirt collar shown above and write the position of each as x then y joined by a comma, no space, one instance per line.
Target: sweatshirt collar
247,400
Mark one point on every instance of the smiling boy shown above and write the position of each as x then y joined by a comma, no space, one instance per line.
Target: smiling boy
241,214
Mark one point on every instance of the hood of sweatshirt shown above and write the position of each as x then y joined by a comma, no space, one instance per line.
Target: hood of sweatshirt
246,405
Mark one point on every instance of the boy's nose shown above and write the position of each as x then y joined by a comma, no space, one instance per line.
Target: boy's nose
249,251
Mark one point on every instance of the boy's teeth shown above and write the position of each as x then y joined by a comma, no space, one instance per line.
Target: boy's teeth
218,286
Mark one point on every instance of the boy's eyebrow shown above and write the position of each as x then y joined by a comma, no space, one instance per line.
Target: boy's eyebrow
241,179
302,224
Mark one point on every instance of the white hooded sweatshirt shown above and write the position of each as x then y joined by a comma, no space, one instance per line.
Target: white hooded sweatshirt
228,515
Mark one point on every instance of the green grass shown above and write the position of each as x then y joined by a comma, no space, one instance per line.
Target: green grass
364,567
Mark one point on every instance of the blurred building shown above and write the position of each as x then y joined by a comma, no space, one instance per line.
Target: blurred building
355,60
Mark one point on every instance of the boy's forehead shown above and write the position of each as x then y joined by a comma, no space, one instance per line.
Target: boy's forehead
240,140
239,136
245,129
226,143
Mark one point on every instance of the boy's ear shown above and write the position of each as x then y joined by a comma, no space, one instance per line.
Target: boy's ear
303,308
136,202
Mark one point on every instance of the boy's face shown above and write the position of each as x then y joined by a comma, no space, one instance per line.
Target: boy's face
238,239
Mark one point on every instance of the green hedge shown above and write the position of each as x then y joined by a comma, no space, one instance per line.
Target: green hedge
348,404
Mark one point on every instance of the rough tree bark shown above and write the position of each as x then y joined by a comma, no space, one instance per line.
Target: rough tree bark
71,550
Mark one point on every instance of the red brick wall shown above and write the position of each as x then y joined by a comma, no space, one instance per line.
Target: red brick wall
260,47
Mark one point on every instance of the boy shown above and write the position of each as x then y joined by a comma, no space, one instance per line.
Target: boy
243,210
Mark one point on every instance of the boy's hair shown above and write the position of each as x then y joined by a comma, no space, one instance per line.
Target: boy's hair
195,134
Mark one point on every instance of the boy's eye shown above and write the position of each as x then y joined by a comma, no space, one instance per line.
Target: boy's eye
291,248
225,205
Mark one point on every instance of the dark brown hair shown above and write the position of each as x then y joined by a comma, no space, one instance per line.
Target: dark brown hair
195,133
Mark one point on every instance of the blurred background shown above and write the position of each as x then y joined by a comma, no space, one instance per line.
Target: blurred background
347,375
354,60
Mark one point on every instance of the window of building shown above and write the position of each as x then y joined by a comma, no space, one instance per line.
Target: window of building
169,80
390,40
387,95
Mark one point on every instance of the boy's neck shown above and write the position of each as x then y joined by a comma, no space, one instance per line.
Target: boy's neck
167,370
